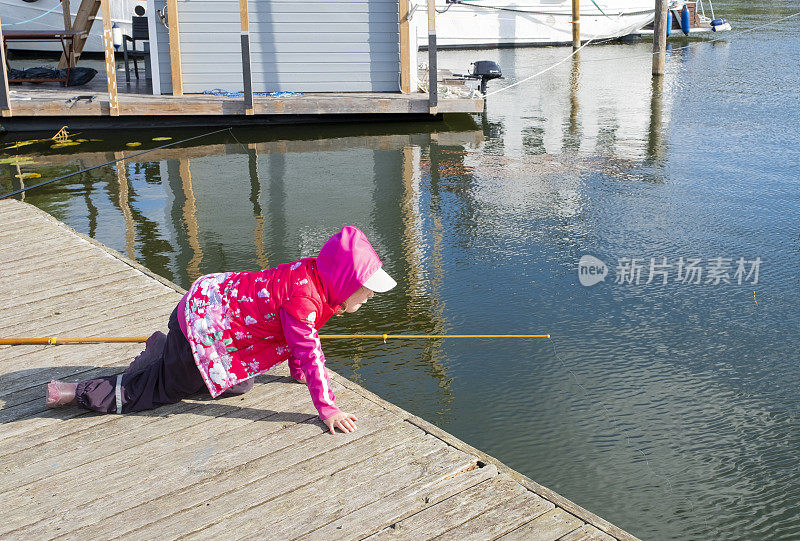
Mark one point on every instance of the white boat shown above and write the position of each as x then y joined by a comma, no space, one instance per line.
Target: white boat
498,23
699,20
48,15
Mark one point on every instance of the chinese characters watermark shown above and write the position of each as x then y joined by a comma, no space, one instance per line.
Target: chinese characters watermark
662,271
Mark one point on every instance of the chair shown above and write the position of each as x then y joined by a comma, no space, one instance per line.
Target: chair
139,29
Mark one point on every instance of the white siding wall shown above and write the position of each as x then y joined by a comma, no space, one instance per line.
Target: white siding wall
317,46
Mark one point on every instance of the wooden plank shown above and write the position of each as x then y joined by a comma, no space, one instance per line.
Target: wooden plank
334,471
5,97
175,48
61,308
587,532
140,303
405,48
546,527
178,438
356,483
134,430
260,465
437,519
111,66
500,519
410,499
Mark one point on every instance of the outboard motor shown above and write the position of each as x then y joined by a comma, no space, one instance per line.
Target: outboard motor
485,70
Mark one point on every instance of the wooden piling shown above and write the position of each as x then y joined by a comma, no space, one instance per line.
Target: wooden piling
576,24
433,83
175,48
247,75
5,98
405,49
111,65
659,38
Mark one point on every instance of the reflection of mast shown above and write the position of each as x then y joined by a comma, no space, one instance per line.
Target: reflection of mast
572,135
190,219
21,183
438,272
91,209
655,143
125,206
255,195
410,215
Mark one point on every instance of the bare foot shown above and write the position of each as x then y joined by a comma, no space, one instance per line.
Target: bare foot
60,393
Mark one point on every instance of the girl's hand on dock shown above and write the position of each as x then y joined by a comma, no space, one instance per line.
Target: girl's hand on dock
346,422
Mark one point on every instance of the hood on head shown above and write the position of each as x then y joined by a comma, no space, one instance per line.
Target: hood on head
345,262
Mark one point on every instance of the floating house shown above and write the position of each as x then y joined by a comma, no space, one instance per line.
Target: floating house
230,62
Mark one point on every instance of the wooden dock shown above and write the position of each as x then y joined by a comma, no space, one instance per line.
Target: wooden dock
260,463
50,106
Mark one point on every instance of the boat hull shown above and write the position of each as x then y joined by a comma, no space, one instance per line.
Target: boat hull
510,23
47,15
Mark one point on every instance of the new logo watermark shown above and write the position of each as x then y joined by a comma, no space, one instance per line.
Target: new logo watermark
591,270
661,271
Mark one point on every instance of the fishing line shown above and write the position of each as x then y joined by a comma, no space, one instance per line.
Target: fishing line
128,157
54,340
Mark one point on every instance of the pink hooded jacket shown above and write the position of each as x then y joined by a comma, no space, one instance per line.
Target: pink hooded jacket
241,324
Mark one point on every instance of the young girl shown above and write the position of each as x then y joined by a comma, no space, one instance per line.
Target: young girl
230,327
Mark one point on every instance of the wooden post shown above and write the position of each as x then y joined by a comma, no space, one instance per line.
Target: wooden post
67,16
576,24
433,79
247,74
405,50
5,98
659,37
111,66
84,19
175,48
68,27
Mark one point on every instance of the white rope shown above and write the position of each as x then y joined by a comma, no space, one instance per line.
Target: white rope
541,72
637,56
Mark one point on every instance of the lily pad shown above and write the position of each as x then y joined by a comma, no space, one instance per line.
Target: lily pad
23,176
162,138
18,160
134,144
23,143
65,144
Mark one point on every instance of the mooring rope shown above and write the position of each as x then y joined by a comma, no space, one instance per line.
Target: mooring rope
127,157
58,5
672,50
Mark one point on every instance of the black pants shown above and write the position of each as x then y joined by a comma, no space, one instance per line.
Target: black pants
169,377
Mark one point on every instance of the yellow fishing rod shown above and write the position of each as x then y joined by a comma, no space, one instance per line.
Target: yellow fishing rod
54,340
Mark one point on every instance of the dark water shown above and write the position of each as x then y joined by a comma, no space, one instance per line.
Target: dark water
669,409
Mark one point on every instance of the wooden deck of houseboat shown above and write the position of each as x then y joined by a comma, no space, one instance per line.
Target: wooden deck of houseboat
43,106
237,467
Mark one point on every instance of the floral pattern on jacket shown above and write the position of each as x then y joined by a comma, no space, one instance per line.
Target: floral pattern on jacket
232,319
